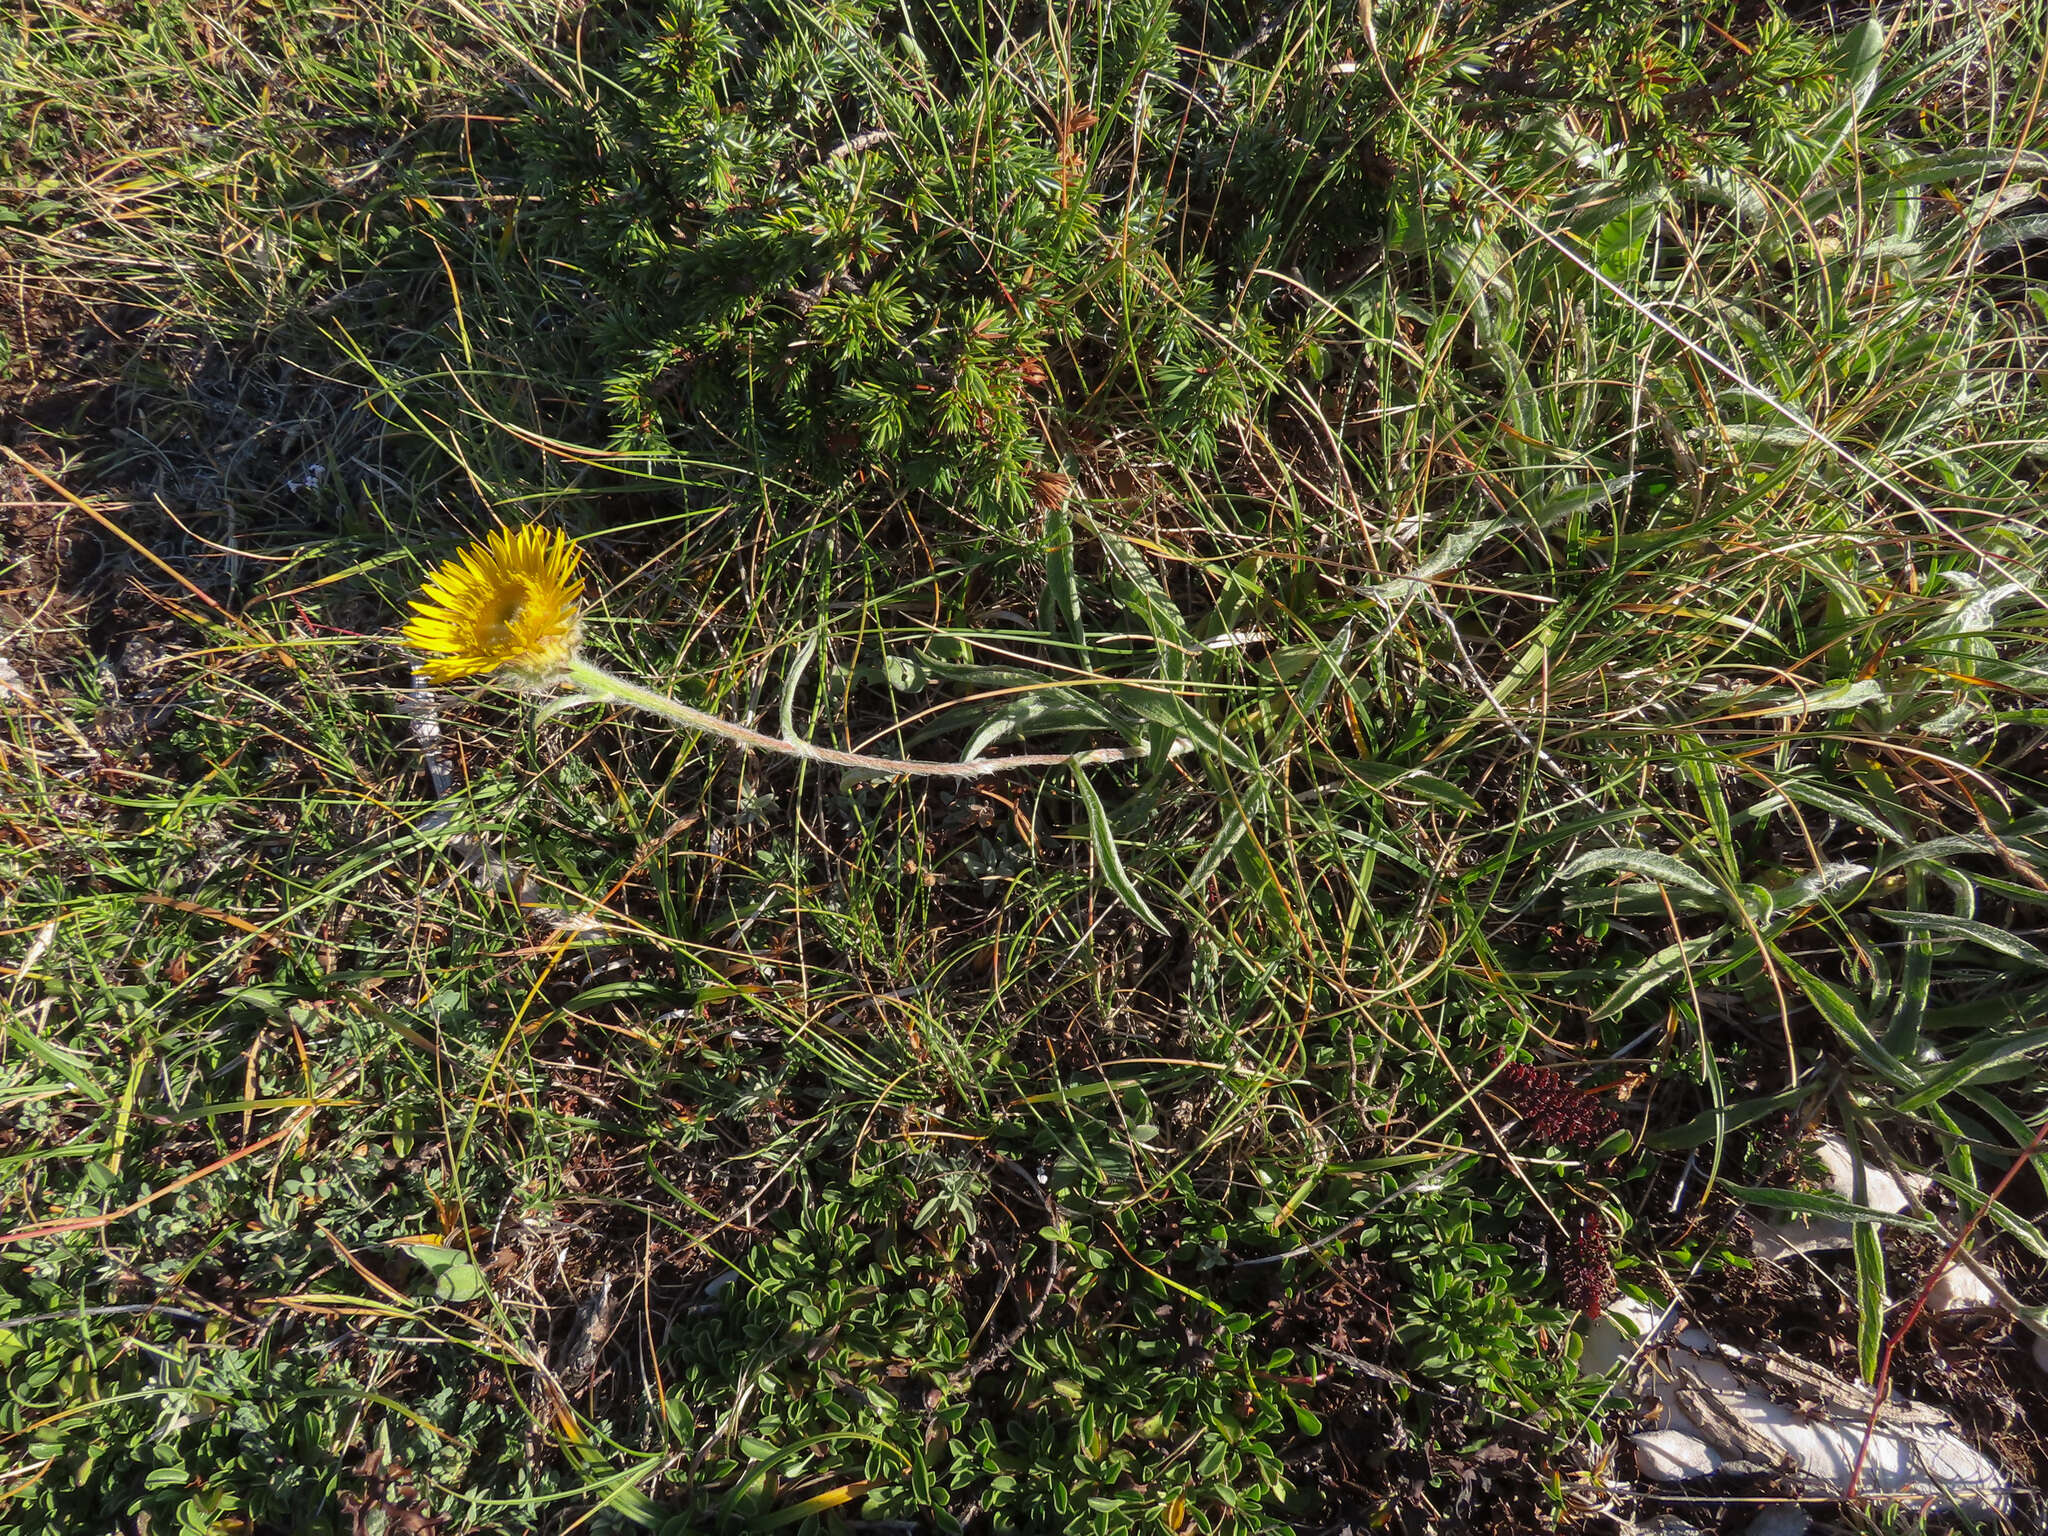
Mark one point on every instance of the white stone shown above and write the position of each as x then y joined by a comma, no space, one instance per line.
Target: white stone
1671,1456
1619,1337
1780,1240
1958,1289
1781,1520
1881,1192
1814,1434
1906,1461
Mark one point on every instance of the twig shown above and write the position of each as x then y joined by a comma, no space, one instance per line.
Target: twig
860,144
1391,1377
1882,1381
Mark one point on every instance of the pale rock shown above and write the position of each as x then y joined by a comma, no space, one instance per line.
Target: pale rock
1812,1436
1881,1192
1781,1520
1913,1453
1780,1240
1958,1289
1672,1456
1616,1339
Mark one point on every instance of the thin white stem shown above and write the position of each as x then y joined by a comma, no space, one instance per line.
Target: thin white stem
599,684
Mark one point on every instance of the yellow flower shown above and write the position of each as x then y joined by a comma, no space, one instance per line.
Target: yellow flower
511,603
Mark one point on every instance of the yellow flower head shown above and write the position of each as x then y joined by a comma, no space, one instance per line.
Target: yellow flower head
511,603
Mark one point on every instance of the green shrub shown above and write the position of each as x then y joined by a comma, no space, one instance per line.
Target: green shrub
824,241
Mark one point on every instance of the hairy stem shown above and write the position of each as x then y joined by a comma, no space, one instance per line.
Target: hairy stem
600,684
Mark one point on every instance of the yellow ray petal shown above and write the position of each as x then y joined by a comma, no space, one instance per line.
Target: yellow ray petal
512,603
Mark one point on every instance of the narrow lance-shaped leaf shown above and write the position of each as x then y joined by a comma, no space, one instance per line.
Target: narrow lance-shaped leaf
1862,52
1871,1301
1650,865
1107,858
1870,1298
1941,926
1902,1034
1652,973
1978,1062
1840,1012
790,683
1060,608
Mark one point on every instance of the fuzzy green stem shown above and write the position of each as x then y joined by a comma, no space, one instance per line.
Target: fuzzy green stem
599,684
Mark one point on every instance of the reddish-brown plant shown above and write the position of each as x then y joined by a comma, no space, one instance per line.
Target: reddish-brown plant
1560,1112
